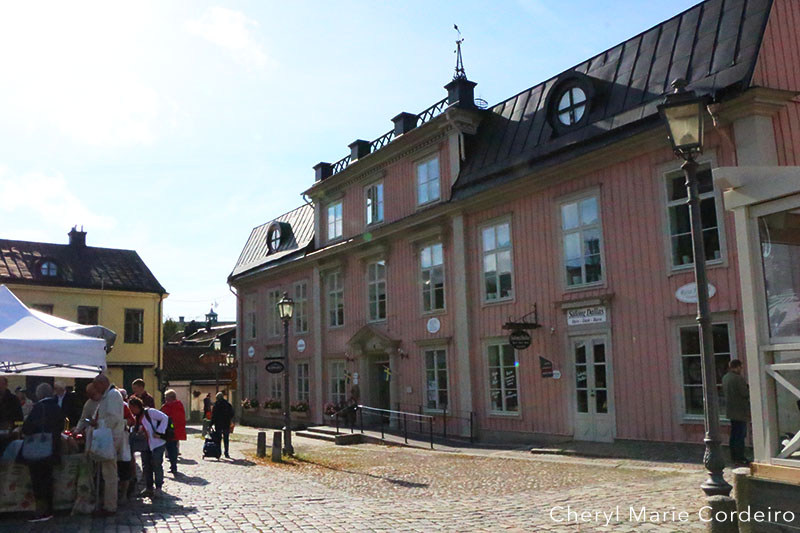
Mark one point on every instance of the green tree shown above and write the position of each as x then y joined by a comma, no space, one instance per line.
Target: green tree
170,328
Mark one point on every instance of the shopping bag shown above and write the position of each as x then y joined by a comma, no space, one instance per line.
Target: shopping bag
103,448
37,447
12,451
232,426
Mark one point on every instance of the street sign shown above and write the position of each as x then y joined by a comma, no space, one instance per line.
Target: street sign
519,339
275,367
546,366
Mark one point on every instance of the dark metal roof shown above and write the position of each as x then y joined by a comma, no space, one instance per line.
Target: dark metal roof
713,45
83,267
256,253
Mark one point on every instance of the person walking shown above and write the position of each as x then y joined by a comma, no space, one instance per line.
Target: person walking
207,407
154,424
139,392
110,412
10,409
221,419
737,403
45,417
174,409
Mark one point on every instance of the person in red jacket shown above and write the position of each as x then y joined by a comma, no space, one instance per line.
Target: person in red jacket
174,409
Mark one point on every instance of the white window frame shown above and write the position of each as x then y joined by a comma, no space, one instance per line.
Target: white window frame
303,382
667,177
429,182
337,382
691,322
251,381
437,350
275,387
334,285
300,317
377,282
250,319
429,299
373,208
580,229
335,220
494,224
490,408
273,320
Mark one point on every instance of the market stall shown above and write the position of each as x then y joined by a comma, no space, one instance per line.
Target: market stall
32,344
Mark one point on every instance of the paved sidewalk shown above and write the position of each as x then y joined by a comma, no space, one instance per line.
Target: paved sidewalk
382,488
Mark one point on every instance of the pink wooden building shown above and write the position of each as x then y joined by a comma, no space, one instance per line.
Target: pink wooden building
416,249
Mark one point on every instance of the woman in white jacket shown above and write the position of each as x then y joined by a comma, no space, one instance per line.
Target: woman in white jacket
154,424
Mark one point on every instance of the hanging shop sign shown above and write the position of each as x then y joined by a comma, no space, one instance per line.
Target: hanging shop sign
688,293
275,367
586,315
546,367
519,339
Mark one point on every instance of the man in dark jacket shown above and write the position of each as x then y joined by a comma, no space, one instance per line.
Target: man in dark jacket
221,418
68,401
737,403
10,409
46,417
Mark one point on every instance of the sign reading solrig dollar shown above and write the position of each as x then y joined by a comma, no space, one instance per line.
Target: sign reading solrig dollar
586,315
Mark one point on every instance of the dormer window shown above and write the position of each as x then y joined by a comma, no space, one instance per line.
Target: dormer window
48,269
571,106
569,102
274,237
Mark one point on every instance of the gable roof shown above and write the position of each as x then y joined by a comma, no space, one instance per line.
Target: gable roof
84,267
713,45
256,252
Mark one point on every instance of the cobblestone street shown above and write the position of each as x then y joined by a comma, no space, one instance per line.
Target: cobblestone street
375,488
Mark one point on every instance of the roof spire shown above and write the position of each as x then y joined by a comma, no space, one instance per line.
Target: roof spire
460,74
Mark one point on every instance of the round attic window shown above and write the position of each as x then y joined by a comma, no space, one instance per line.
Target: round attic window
571,106
49,269
274,237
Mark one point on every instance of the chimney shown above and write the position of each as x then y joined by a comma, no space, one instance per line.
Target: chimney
404,122
358,149
322,171
461,93
77,239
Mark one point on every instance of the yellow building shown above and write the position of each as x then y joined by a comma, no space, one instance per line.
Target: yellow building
110,287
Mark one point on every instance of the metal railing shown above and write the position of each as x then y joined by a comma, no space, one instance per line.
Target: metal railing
448,423
425,116
389,421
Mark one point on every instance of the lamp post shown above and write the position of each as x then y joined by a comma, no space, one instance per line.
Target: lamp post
217,349
683,111
285,310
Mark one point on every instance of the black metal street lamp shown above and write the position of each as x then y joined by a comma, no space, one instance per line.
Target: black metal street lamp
285,311
684,113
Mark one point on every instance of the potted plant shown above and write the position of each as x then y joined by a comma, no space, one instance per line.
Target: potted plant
300,409
272,406
330,409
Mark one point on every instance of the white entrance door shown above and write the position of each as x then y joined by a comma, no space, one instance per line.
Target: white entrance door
594,396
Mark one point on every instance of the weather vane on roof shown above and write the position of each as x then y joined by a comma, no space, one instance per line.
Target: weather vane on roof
460,74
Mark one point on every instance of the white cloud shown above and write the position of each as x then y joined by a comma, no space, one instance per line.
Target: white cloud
45,199
77,69
231,30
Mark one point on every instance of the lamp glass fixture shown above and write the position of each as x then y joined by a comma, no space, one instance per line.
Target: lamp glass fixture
285,307
217,345
683,112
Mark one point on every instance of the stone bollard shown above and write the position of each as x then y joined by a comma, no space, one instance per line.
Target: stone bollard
277,457
722,514
741,491
261,447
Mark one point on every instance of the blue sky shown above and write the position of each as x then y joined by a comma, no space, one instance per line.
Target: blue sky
173,128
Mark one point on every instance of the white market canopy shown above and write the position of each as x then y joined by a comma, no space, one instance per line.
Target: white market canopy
30,345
